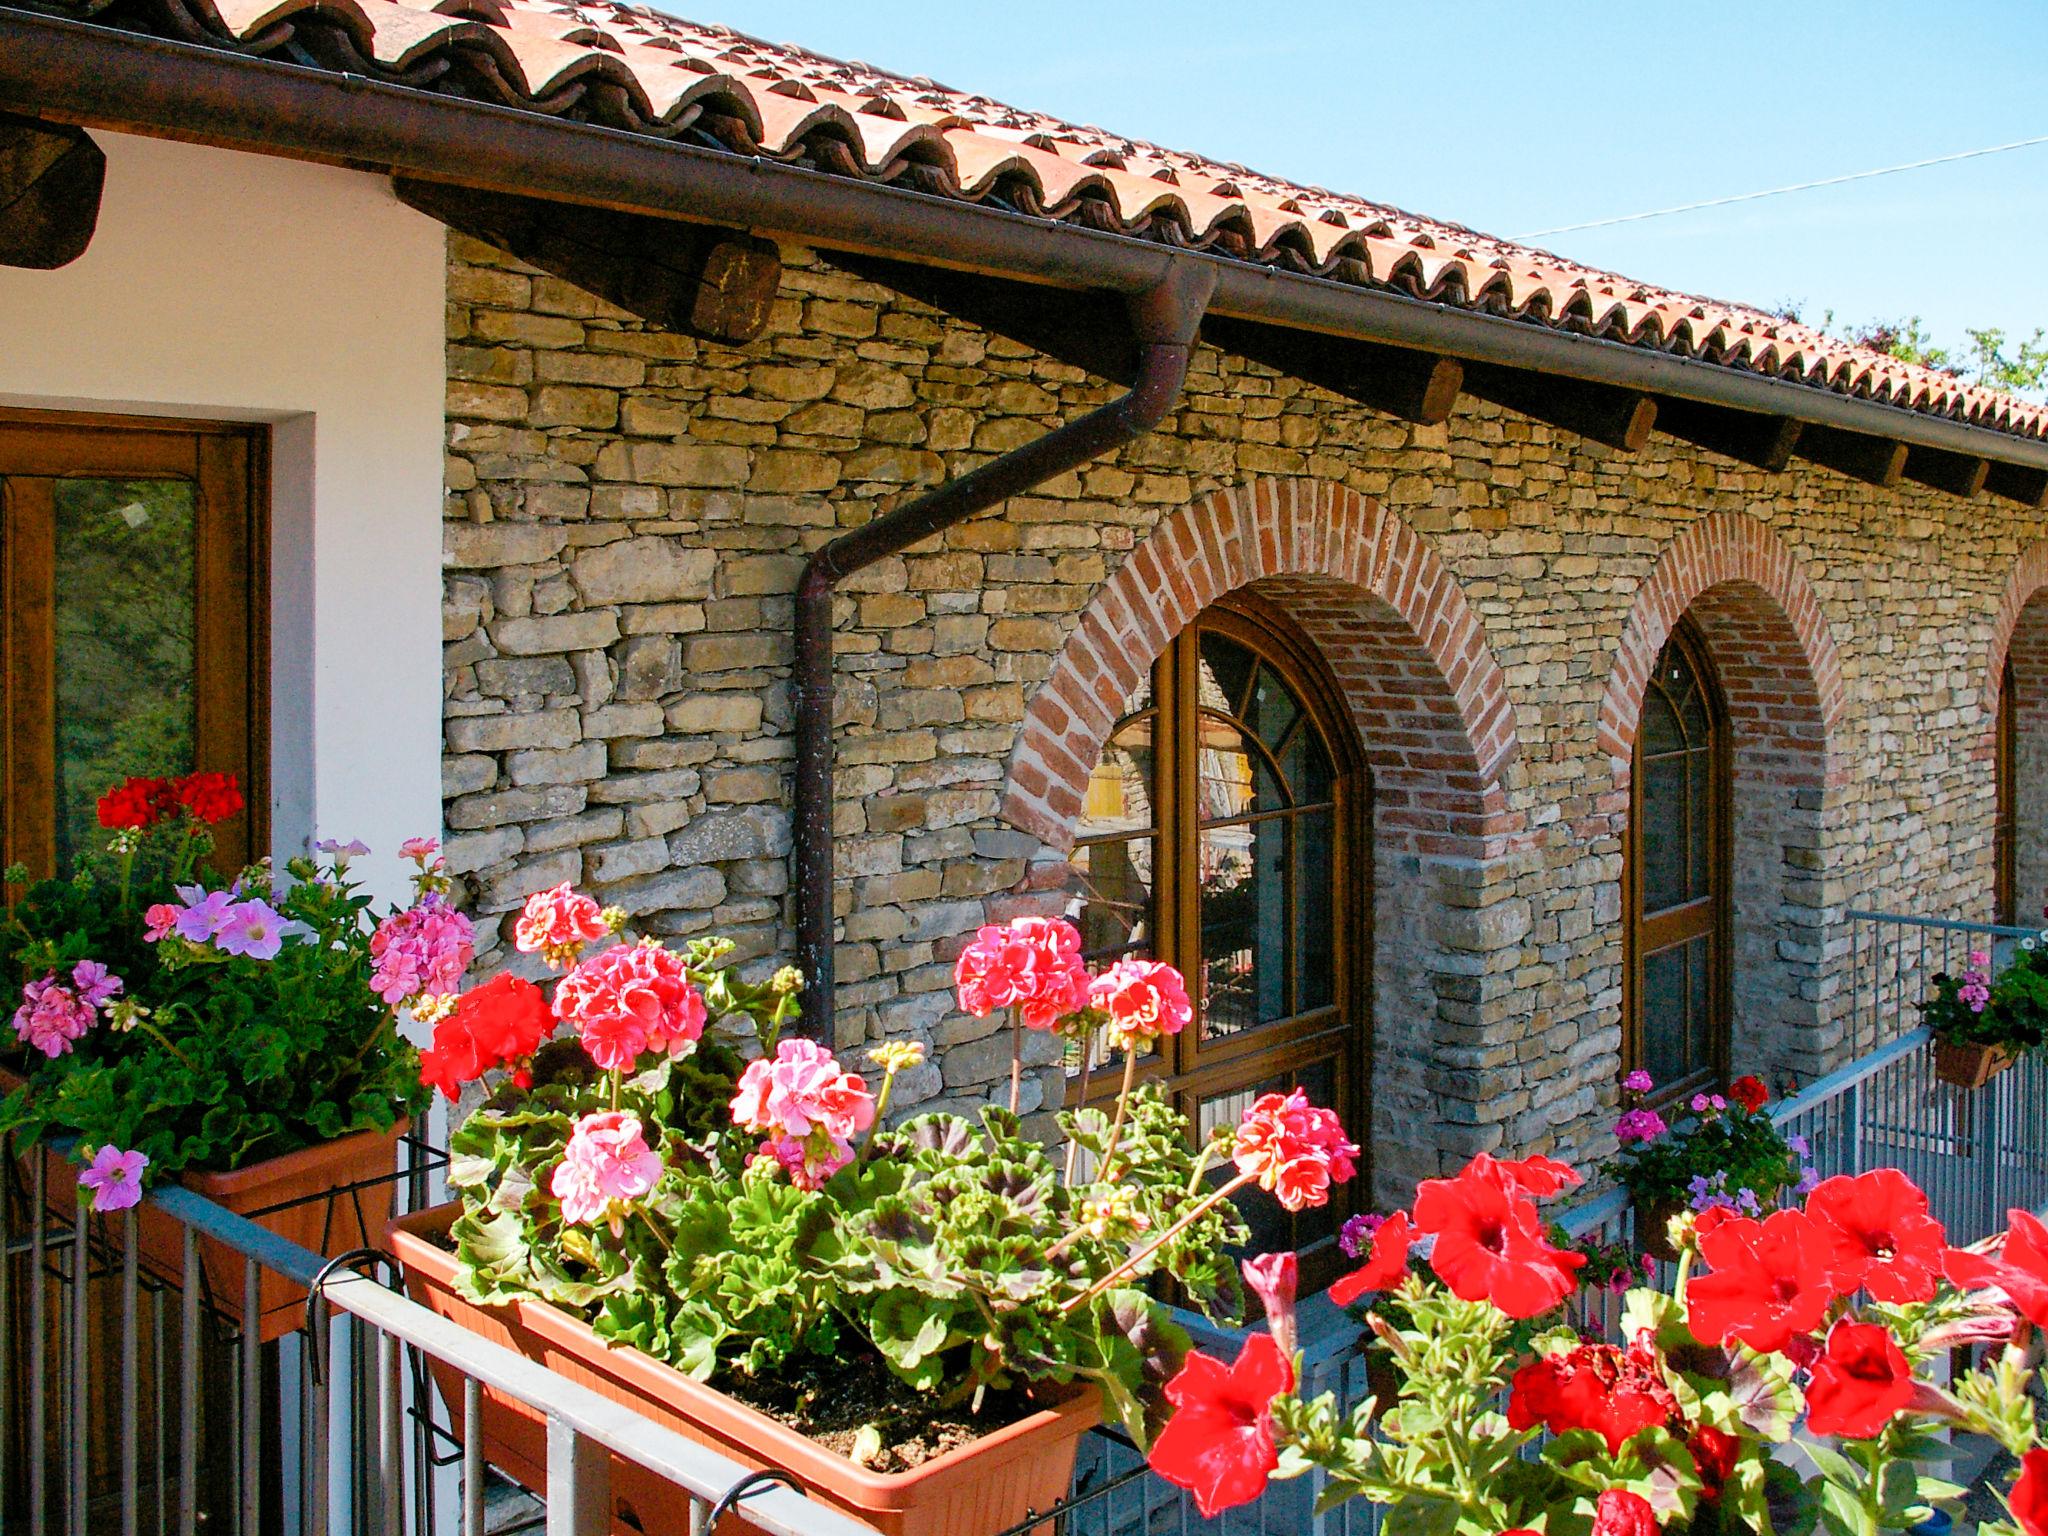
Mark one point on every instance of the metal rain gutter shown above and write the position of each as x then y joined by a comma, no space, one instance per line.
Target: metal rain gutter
1165,320
76,71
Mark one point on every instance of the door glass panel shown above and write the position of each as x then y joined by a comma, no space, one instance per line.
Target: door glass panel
1243,900
1663,1004
1306,766
1699,1042
124,626
1113,908
1661,829
1699,768
1273,708
1226,671
1234,777
1661,732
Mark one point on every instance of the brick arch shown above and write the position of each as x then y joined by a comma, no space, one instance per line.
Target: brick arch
2028,580
1437,726
1779,669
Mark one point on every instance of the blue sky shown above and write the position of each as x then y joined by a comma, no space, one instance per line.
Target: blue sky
1513,117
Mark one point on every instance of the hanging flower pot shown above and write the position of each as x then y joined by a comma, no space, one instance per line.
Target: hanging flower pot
988,1484
1971,1063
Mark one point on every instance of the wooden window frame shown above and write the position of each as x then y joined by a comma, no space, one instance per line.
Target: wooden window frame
1716,917
2005,825
229,466
1340,1032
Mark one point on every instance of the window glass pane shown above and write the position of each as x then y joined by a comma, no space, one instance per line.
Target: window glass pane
1271,1227
1273,708
1233,778
1693,711
1661,732
1315,902
1662,833
1113,908
1244,926
1700,1012
1225,670
1699,768
1119,797
124,627
1663,1006
1306,767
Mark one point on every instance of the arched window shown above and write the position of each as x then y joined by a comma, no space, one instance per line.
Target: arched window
1220,833
1676,877
2004,841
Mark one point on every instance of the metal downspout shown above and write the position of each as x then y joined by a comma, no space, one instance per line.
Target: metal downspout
1164,321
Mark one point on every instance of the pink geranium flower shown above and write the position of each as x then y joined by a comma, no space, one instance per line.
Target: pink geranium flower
605,1168
557,924
1144,1000
160,921
114,1177
1293,1149
806,1166
631,999
1639,1125
1032,964
52,1016
421,850
421,951
808,1107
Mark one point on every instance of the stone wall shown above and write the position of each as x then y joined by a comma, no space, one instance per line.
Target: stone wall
628,510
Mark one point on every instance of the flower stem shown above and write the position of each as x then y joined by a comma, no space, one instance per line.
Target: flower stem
1087,1065
881,1109
1209,1203
1123,1102
1016,1057
615,1075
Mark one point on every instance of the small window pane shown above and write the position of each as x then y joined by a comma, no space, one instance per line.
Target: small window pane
1234,779
124,627
1699,770
1662,830
1244,926
1113,909
1306,767
1272,1228
1273,708
1226,671
1663,1005
1661,731
1700,982
1315,902
1119,797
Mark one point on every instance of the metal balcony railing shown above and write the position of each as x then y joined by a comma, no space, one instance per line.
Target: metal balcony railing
130,1402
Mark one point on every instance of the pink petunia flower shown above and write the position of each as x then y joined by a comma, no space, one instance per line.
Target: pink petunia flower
204,912
631,999
1639,1081
114,1177
95,984
52,1016
1642,1125
1032,964
252,928
421,951
605,1168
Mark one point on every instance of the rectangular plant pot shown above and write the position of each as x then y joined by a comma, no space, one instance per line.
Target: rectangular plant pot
985,1486
282,1194
1969,1064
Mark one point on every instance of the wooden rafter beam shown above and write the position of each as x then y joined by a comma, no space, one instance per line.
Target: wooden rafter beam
693,279
1416,386
2015,482
1089,330
1875,460
1620,418
51,177
1764,442
1956,473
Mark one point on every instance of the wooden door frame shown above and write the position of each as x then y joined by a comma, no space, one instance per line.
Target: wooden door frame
1720,851
228,463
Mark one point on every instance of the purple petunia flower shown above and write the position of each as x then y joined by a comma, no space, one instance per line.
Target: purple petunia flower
252,928
114,1177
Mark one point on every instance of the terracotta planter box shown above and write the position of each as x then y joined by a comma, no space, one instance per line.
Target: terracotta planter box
280,1194
979,1488
1970,1065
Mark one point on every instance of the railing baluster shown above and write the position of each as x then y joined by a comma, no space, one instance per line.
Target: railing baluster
156,1456
473,1460
188,1388
390,1435
579,1483
130,1386
318,1394
251,1442
38,1343
8,1333
81,1357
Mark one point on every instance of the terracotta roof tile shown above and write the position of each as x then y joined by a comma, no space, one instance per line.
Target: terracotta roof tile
661,74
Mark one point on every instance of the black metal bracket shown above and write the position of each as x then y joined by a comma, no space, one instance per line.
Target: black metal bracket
315,1291
752,1482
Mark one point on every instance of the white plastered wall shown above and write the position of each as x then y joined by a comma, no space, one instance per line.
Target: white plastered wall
240,287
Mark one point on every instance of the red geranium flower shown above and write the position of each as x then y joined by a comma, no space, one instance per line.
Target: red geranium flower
1617,1512
1385,1263
1614,1392
1490,1242
210,797
1859,1382
2029,1496
1294,1149
1882,1238
2020,1270
132,804
504,1020
1750,1093
1768,1280
1219,1442
1714,1454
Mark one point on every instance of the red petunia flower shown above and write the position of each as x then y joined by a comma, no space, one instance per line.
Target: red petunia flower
1714,1453
1219,1442
2029,1496
1750,1093
1537,1177
1386,1263
1618,1512
1616,1393
1294,1149
1767,1281
2020,1269
1882,1239
1490,1241
1858,1384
